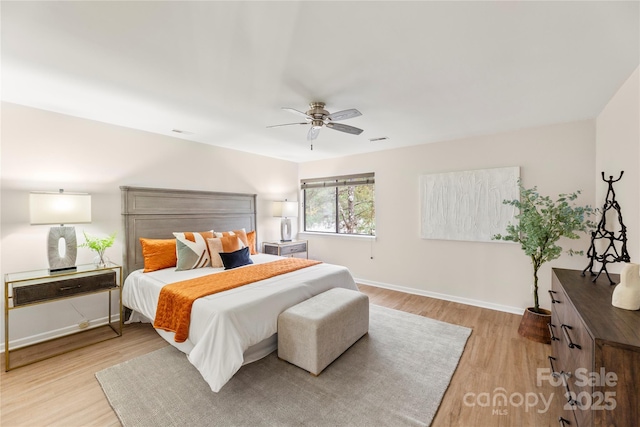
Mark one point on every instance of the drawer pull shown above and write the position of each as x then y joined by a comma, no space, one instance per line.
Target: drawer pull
553,300
563,422
553,336
570,400
554,373
571,344
68,288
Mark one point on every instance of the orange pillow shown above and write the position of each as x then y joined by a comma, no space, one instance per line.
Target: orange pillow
251,238
244,237
158,254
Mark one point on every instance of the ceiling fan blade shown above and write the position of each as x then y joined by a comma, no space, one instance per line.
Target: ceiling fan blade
344,128
294,111
313,133
344,114
287,124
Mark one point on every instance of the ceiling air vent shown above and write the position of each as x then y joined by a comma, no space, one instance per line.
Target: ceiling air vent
382,138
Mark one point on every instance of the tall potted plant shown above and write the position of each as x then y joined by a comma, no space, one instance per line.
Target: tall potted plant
541,223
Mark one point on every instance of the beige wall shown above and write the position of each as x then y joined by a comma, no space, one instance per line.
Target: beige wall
618,149
47,151
559,158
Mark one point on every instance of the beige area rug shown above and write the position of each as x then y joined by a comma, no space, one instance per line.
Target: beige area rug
394,376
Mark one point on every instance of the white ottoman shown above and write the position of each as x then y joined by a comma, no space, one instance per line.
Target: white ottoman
315,332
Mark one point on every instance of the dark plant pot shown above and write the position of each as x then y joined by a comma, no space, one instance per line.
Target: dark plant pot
534,326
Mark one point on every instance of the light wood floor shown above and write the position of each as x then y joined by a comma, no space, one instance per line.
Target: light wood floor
63,391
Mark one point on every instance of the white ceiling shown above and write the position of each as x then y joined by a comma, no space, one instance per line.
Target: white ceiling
419,72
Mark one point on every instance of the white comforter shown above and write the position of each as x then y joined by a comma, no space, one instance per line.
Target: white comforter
226,324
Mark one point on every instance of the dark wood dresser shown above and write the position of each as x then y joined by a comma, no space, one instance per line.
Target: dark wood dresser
596,352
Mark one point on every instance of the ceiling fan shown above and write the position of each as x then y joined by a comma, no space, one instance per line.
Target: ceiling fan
318,117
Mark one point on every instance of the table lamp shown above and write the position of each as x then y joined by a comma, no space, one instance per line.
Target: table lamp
60,208
285,210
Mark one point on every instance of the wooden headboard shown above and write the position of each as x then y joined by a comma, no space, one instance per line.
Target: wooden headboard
156,213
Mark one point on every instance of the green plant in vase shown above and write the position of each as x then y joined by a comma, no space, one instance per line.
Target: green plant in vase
542,221
98,244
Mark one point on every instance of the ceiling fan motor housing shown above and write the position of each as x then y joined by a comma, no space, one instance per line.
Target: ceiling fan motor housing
318,113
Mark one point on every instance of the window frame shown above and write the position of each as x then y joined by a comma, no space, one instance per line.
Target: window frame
336,182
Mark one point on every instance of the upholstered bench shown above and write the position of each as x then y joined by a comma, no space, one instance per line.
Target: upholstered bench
315,332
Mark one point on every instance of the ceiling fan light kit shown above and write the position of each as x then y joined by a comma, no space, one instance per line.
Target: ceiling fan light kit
318,117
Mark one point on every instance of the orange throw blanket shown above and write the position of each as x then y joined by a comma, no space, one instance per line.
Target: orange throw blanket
174,305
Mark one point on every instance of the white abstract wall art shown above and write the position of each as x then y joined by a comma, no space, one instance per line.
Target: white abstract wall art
468,205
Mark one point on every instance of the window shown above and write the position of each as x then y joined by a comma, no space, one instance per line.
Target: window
340,204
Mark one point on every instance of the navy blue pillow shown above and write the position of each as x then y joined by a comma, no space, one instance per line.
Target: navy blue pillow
236,259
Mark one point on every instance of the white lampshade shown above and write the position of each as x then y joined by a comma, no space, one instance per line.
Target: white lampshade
60,208
285,209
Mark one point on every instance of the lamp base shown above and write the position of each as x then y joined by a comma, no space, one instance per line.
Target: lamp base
62,257
285,230
62,270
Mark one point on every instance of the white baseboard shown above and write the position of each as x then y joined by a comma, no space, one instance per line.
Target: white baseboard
57,333
452,298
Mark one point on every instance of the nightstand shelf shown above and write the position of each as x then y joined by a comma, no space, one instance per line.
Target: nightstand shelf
286,248
35,288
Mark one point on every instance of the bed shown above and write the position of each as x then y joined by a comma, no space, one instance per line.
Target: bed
230,328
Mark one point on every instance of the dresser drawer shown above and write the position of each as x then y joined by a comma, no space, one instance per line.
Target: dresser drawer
559,301
284,249
578,346
293,249
270,249
554,328
30,293
576,341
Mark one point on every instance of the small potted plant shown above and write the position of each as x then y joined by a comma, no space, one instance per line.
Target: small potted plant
541,223
98,244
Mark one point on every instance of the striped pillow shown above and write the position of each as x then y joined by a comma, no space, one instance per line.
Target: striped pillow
222,244
191,249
